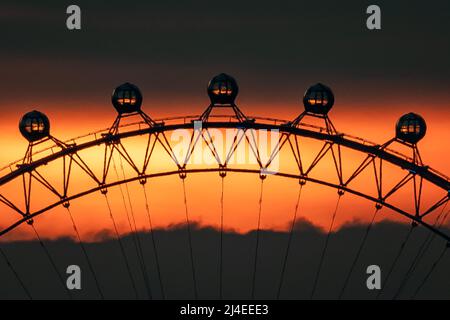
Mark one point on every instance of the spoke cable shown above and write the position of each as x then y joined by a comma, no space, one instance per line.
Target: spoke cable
52,261
16,275
133,227
255,263
358,254
433,267
420,253
324,251
291,232
191,253
122,249
83,249
396,259
158,266
426,244
221,239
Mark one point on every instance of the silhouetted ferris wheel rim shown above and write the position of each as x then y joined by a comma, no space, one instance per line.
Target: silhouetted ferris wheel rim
315,134
222,91
185,124
232,170
187,119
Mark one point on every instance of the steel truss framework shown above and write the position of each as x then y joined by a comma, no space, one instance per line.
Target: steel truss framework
290,132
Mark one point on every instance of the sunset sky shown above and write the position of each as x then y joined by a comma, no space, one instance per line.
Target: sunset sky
275,50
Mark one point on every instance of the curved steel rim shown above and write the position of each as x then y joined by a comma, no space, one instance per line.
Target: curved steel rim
423,171
190,171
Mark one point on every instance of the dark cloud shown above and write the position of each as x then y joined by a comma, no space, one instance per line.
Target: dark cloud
173,46
381,248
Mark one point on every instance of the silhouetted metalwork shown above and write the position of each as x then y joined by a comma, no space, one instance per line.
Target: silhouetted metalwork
318,101
127,100
222,90
375,155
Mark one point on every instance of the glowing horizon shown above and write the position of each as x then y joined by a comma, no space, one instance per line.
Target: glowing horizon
241,200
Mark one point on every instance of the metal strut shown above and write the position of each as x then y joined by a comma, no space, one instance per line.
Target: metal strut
238,114
324,251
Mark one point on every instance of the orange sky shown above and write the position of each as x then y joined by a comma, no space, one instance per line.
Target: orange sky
241,190
171,52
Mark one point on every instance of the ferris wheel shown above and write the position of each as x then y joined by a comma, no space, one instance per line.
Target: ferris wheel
117,166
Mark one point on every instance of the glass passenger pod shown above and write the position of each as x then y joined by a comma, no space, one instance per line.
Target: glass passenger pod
127,98
411,128
318,99
222,89
34,126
